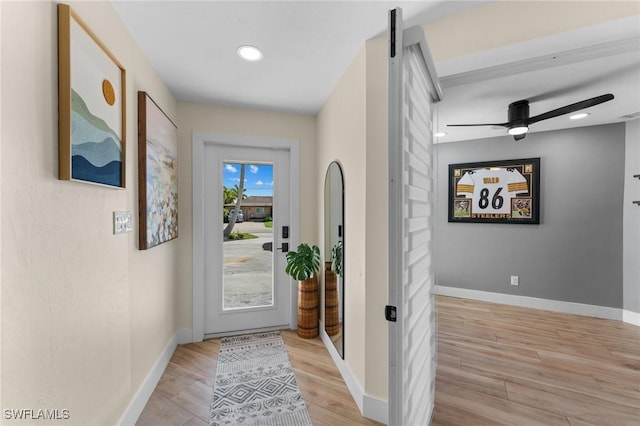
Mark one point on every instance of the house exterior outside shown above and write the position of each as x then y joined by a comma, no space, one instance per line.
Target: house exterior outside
254,207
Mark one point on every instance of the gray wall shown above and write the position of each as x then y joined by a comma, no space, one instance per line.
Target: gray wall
632,219
575,254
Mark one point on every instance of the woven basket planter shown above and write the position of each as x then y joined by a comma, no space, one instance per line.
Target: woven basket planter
331,314
308,308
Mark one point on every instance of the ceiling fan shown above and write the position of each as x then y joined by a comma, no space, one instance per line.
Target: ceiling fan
519,119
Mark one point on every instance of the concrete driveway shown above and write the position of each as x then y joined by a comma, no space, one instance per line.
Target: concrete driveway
247,268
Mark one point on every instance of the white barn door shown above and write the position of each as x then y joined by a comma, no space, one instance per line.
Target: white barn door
413,89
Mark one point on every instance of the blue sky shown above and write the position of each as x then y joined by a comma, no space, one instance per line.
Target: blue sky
258,178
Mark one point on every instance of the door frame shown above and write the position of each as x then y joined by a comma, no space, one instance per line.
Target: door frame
200,140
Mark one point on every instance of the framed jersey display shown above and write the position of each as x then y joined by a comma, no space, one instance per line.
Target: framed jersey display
506,191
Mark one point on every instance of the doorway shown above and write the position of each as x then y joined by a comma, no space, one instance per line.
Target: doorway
239,282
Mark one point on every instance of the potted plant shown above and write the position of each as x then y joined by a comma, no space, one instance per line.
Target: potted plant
336,258
303,265
331,298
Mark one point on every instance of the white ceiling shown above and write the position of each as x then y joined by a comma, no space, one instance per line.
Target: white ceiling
309,44
550,72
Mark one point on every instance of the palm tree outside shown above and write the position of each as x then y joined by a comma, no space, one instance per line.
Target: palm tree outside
229,195
239,189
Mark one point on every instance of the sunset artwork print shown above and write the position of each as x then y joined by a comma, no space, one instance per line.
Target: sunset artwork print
158,174
91,106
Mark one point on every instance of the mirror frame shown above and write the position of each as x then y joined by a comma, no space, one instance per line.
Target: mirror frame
338,167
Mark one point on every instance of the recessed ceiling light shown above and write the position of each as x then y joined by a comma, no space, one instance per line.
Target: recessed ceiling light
250,53
440,134
579,116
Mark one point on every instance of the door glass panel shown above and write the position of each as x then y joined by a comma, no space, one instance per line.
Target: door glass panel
247,279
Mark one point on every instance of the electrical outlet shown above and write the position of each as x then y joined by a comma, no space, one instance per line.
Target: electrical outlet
514,280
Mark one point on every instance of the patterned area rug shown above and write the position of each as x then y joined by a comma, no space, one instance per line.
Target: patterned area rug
255,384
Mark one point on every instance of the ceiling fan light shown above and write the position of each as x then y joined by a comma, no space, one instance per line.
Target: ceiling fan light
518,130
250,53
579,116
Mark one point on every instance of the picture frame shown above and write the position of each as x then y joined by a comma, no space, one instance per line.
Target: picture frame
91,106
157,174
501,191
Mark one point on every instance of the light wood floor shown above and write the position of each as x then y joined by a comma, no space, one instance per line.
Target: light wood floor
497,365
502,365
183,394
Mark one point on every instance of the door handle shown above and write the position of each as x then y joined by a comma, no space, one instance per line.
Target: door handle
284,248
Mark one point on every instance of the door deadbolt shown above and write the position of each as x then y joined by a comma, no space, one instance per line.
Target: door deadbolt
284,248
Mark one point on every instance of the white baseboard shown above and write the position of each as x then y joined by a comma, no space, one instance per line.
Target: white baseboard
369,406
376,409
631,317
351,382
137,404
532,302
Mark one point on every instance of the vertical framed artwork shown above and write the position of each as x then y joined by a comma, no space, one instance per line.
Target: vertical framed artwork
157,174
505,191
91,106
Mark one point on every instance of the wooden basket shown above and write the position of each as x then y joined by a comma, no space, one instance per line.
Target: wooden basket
331,306
308,308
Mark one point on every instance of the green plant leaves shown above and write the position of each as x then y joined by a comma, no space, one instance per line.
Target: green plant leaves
336,258
303,263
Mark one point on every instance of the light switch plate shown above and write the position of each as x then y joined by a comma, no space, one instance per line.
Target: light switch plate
122,222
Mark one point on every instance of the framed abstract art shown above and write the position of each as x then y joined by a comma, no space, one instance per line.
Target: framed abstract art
157,174
91,106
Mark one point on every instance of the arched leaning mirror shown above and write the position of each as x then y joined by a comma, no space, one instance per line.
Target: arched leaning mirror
334,256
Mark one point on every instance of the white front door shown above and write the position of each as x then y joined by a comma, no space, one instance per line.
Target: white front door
245,287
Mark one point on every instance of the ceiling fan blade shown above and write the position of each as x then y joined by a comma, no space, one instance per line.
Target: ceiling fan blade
567,109
479,124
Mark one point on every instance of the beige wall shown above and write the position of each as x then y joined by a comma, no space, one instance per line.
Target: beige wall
215,119
501,23
352,129
84,314
377,219
342,138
